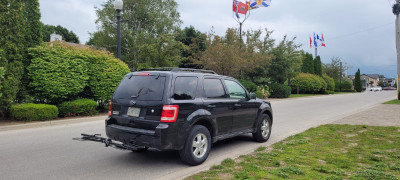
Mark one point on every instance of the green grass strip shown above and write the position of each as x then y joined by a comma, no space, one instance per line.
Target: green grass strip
325,152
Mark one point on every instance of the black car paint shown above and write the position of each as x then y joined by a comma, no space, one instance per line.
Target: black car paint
218,115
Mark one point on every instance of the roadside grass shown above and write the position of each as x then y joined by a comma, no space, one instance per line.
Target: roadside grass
394,101
325,152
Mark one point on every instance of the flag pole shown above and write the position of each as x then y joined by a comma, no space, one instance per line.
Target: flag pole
316,54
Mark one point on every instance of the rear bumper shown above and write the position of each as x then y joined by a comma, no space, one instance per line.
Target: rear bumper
159,138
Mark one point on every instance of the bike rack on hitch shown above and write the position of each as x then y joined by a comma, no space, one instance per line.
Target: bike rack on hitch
108,142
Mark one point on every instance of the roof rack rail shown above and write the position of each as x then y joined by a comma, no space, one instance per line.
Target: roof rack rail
193,70
175,69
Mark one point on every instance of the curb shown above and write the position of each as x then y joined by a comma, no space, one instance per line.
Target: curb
52,123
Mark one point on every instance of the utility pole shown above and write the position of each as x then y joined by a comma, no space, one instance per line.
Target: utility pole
340,83
396,11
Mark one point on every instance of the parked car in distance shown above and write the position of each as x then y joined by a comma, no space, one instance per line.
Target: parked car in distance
389,88
376,88
185,110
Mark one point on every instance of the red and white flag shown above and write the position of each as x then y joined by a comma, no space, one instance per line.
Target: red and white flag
323,40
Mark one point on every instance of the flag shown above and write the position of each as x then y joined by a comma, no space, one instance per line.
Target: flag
242,8
310,42
235,8
315,41
323,40
259,3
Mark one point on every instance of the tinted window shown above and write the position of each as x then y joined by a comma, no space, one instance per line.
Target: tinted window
213,88
144,88
235,90
185,88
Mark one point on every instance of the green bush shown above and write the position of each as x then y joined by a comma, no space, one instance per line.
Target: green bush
249,85
33,112
263,91
79,107
345,85
280,91
308,84
330,82
60,72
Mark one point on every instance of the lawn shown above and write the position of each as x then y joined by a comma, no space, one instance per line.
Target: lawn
394,101
325,152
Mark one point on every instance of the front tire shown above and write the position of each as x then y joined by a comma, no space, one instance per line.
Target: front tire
197,146
263,130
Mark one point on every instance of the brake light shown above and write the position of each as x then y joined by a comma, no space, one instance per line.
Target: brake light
169,113
110,109
143,74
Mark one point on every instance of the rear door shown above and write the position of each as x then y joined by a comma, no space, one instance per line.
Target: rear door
244,109
138,100
217,102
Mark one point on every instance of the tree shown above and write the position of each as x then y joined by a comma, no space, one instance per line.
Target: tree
333,69
357,81
12,42
34,28
308,64
318,66
195,42
286,61
147,27
67,35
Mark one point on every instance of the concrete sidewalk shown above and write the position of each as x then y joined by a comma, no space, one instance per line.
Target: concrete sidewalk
380,115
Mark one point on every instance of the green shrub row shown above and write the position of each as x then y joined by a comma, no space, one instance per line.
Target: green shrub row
308,84
345,85
79,107
280,90
249,85
330,82
33,112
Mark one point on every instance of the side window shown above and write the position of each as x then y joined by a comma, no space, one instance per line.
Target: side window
213,88
235,90
185,88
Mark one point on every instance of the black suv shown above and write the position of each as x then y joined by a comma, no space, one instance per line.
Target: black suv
185,110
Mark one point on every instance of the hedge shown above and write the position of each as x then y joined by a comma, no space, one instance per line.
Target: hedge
249,85
60,72
33,112
280,91
79,107
308,84
345,85
330,82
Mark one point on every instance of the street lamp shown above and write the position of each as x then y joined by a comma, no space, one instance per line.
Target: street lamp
118,7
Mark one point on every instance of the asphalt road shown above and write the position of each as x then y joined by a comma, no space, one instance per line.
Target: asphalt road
50,152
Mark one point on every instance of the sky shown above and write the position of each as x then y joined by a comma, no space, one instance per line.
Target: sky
360,32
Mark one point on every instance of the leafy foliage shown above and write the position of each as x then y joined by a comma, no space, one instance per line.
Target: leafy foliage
318,66
62,72
280,90
250,86
12,42
333,69
357,81
33,112
79,107
34,27
195,44
308,64
67,35
149,32
308,83
287,61
345,85
330,82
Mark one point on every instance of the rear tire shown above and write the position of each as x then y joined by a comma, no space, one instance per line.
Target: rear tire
197,146
263,129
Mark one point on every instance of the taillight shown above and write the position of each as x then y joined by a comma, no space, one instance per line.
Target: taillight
110,109
169,113
143,74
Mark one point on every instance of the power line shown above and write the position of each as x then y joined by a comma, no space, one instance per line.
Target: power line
365,30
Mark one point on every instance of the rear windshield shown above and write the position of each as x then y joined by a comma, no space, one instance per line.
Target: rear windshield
143,88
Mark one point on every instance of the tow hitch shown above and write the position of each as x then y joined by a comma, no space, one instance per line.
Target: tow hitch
108,142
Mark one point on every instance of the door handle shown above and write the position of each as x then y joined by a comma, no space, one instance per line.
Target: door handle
238,105
211,106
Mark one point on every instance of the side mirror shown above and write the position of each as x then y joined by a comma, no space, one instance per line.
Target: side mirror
253,95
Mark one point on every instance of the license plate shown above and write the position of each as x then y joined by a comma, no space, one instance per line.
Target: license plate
133,112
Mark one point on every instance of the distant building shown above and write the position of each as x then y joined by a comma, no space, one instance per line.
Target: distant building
55,37
369,80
